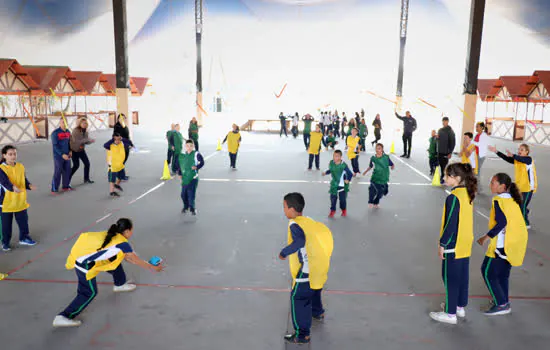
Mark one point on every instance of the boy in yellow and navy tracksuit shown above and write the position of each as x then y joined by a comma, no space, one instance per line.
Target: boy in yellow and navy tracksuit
233,139
116,153
13,198
315,140
309,249
189,164
508,235
455,242
525,175
353,145
468,154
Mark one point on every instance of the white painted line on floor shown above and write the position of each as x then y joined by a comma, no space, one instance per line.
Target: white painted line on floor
103,218
146,193
307,181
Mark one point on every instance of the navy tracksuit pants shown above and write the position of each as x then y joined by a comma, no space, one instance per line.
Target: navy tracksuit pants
170,155
355,165
310,164
341,196
87,291
456,275
376,192
496,274
77,156
306,139
527,196
188,193
232,160
6,222
62,169
304,303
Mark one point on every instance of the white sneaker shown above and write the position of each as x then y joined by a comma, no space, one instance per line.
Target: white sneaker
443,317
127,287
460,311
62,321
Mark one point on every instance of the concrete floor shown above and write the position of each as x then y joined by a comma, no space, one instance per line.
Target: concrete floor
224,287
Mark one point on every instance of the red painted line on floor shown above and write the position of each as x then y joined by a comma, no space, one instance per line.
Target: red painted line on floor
539,253
279,290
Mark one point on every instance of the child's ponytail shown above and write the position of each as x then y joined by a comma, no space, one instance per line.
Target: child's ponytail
466,173
511,187
121,225
516,194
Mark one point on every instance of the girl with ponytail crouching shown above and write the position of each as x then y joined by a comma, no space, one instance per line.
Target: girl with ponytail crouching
508,235
455,242
93,253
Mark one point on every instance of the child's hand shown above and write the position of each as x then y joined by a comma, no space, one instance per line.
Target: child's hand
346,181
281,257
323,173
441,253
16,190
65,157
365,172
392,167
492,149
509,154
158,268
482,240
194,167
32,187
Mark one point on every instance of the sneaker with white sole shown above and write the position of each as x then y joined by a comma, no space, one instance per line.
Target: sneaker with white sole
62,321
443,317
498,310
6,247
460,311
127,287
27,241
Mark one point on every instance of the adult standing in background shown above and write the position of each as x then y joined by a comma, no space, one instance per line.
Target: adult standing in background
295,121
79,139
377,124
446,143
122,129
61,138
282,118
308,120
481,140
409,126
177,139
193,132
169,138
344,124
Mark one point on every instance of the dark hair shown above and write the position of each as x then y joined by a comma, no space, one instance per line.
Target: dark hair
469,134
190,141
120,115
5,150
466,173
380,144
511,187
116,134
295,201
338,152
445,119
121,225
482,125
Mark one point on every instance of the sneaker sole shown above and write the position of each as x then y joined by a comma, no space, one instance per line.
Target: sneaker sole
66,325
443,321
504,312
124,290
27,244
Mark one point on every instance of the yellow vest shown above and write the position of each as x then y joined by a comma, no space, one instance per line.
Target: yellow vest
117,155
465,238
319,246
15,202
352,145
88,243
515,237
526,184
315,142
467,160
233,142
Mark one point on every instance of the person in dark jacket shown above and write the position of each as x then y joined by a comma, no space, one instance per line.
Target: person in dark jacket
61,157
79,139
122,129
282,118
409,126
377,123
446,143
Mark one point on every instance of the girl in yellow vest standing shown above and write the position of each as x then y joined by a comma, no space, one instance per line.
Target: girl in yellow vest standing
352,144
508,235
13,198
455,242
315,139
93,253
525,175
468,154
233,139
116,155
309,249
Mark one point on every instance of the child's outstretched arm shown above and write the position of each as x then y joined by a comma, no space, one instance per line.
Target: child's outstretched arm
298,241
225,138
392,166
326,172
526,160
504,157
349,174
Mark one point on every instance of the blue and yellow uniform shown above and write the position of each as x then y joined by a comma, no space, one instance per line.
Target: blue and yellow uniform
353,152
88,261
525,174
315,139
309,249
472,159
116,154
508,234
456,237
14,204
233,139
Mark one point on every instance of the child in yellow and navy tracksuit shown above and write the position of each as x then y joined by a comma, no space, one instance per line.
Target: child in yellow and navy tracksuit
525,175
315,140
455,242
353,145
95,252
508,235
13,198
233,139
309,249
116,153
468,154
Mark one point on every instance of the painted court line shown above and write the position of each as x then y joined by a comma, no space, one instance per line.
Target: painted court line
103,218
277,290
306,181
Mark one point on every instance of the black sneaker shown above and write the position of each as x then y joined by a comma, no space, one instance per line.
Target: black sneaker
119,188
295,339
184,211
193,212
114,194
403,156
89,182
319,317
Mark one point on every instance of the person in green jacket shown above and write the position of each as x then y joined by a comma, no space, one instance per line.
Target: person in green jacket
189,164
307,119
339,183
363,132
378,188
169,134
432,153
177,139
194,132
330,141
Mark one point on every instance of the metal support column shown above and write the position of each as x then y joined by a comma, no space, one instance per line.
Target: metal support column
121,57
402,40
198,41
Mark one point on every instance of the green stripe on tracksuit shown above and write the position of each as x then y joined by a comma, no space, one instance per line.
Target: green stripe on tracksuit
301,307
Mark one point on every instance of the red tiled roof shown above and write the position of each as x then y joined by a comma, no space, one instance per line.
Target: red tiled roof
141,84
87,79
484,87
544,77
5,64
20,72
518,86
111,80
46,77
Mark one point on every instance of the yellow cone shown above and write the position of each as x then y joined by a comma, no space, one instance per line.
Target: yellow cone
437,178
166,172
392,148
3,275
219,148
